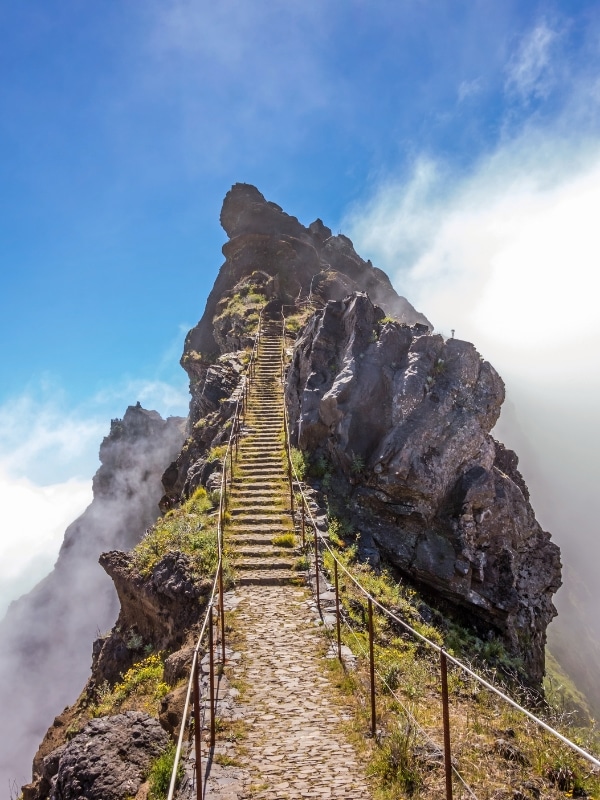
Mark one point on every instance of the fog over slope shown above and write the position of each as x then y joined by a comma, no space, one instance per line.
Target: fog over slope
46,636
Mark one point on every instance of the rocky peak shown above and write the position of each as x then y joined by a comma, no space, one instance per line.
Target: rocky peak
403,417
303,262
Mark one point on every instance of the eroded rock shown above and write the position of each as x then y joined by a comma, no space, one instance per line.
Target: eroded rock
405,417
109,759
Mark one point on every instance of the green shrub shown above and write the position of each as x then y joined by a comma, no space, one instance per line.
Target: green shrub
284,540
299,462
159,776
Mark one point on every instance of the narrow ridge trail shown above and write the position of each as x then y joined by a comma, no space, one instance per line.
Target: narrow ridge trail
293,718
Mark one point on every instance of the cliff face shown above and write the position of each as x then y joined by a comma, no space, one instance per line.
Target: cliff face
404,418
49,632
297,263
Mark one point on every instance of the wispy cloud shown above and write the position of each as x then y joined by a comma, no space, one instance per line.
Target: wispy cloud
166,398
530,72
34,519
468,89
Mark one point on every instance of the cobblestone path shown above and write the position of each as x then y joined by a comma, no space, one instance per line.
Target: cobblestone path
282,736
295,744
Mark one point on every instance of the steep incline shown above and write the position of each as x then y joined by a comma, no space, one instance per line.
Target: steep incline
259,501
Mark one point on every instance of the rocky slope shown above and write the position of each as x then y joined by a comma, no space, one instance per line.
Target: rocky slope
404,417
46,636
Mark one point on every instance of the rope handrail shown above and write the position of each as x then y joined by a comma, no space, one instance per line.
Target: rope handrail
549,729
218,576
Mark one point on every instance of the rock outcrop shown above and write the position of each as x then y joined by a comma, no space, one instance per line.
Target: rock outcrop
50,630
108,760
156,613
404,417
297,263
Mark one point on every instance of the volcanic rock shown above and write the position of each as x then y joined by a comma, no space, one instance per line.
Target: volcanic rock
405,417
108,760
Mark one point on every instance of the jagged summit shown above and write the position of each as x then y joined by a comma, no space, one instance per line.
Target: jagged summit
297,263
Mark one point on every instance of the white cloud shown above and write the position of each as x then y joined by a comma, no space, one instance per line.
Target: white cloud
38,437
467,89
34,519
43,445
530,71
166,398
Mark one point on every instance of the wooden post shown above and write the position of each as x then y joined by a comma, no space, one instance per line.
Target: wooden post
197,731
222,596
446,715
317,571
337,610
372,669
211,677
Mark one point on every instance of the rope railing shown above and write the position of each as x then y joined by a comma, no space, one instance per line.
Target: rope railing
193,688
320,541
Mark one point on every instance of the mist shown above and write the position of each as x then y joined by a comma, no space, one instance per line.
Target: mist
507,258
46,636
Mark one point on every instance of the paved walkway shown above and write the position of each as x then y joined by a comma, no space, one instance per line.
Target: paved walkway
282,737
293,743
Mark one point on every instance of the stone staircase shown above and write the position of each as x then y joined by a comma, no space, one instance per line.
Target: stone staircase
259,503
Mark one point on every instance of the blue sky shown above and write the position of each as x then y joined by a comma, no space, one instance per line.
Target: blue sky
457,143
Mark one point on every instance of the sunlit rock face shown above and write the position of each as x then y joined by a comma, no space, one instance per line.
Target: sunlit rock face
300,261
405,417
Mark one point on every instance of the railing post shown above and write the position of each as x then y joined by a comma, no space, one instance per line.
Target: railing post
222,596
317,571
446,715
372,669
291,488
337,609
211,677
303,524
197,731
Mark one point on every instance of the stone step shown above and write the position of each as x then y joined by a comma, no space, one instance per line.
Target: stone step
260,519
242,540
266,551
264,528
266,578
268,510
250,564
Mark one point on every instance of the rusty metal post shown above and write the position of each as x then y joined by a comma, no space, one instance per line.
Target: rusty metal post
197,731
372,669
211,677
303,524
337,609
222,597
291,488
317,571
446,715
